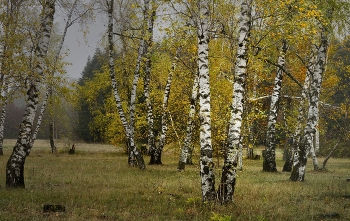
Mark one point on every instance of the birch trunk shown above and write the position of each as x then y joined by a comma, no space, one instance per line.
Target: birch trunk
158,153
228,179
149,19
299,164
48,92
313,155
288,165
3,116
186,150
130,139
206,149
269,163
317,140
22,148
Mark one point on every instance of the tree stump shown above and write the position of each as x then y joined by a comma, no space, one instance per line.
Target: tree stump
72,149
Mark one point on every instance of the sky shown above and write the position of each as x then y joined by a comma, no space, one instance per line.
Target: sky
80,48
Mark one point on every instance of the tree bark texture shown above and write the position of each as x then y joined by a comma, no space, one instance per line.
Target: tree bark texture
186,150
288,165
48,92
15,164
206,149
3,116
157,157
229,170
148,38
269,163
299,164
133,152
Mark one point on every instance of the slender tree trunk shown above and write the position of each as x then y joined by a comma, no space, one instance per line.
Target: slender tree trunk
51,137
52,130
206,149
269,163
299,165
48,92
130,139
186,150
15,164
229,170
40,119
288,165
329,156
164,121
3,116
149,18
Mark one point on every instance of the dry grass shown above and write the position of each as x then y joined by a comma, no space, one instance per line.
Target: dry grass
97,184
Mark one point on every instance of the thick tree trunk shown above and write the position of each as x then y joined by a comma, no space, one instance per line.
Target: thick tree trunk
299,165
313,156
269,163
130,139
206,149
186,150
15,164
229,170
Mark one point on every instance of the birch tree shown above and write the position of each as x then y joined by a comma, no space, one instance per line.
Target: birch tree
229,170
156,158
70,20
149,13
300,157
206,149
10,36
186,150
133,152
269,163
22,148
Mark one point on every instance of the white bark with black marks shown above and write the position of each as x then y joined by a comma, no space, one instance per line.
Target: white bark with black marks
149,14
130,139
288,165
299,165
229,170
269,163
164,121
22,148
206,149
3,115
48,92
186,150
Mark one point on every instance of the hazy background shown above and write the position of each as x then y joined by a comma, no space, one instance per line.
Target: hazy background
80,48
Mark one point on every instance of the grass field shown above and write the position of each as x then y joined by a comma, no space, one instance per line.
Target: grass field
97,184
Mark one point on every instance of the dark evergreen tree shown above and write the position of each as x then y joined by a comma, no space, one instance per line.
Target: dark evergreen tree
84,115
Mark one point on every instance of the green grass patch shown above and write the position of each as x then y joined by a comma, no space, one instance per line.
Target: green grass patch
97,184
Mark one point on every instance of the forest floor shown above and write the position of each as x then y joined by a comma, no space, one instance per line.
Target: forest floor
96,183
